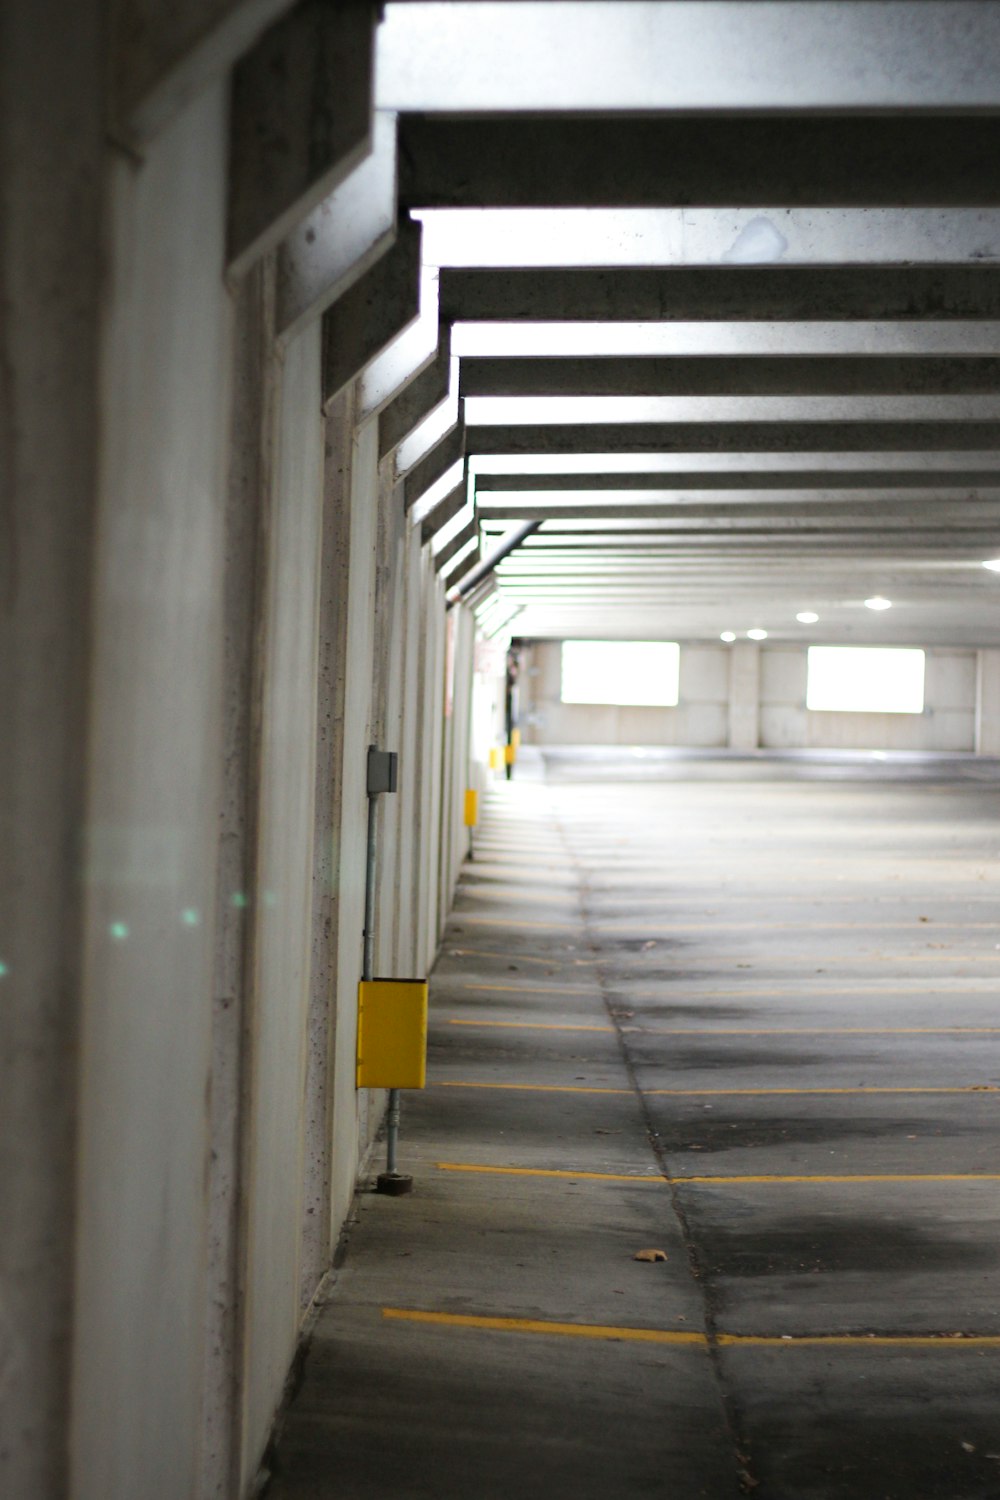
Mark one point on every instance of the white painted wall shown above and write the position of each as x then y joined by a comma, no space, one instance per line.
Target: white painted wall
282,899
947,723
218,604
154,754
722,700
52,272
700,718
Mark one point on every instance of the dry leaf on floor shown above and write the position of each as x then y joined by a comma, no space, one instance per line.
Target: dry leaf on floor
650,1255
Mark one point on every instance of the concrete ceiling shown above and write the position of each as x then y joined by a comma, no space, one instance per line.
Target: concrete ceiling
723,287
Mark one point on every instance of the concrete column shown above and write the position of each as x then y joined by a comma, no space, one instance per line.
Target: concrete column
155,748
744,695
350,1121
282,898
251,459
988,702
52,275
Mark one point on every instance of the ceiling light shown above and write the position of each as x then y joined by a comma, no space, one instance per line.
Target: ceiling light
993,565
878,603
807,617
756,635
728,635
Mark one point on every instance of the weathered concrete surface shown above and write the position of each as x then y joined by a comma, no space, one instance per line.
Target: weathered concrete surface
748,941
666,162
301,119
51,274
154,753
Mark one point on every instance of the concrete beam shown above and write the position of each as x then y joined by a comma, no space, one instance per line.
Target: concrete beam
752,477
676,162
446,510
460,540
449,451
796,508
403,359
436,426
727,294
300,120
375,310
340,240
162,55
670,55
733,437
708,376
424,392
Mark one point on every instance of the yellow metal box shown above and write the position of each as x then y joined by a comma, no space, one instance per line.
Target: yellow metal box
392,1033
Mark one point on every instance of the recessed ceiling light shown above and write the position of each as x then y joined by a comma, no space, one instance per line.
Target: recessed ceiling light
757,635
993,565
807,617
878,603
728,635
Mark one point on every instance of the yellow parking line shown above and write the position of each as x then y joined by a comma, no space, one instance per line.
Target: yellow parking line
513,922
738,1030
864,1177
861,1341
527,1025
969,1088
537,1325
538,1088
569,1088
525,989
522,958
692,1340
455,1166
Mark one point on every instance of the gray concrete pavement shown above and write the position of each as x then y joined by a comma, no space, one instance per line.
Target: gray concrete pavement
751,1022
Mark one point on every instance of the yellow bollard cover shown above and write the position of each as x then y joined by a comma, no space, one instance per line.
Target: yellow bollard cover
471,808
392,1034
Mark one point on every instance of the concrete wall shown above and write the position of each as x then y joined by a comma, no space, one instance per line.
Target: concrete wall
51,272
282,905
747,696
947,722
154,755
700,718
217,603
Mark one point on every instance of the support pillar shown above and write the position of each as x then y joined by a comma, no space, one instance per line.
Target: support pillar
988,702
744,696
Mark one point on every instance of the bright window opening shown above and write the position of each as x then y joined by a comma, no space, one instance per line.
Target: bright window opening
865,679
621,672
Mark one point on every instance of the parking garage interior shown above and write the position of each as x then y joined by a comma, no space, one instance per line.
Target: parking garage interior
502,493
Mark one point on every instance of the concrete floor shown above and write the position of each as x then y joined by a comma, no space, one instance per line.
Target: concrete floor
689,1014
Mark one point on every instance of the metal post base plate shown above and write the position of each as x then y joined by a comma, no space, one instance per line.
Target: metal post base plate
395,1184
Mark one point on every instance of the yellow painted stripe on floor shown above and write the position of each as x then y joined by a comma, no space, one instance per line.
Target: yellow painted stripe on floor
816,1030
737,1030
814,991
968,1088
919,929
861,957
571,1088
537,1088
527,1025
475,1167
611,1333
523,958
526,989
768,1180
860,1341
514,922
832,1178
536,1325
